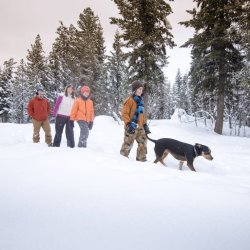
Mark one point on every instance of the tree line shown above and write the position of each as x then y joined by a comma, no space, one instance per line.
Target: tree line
218,81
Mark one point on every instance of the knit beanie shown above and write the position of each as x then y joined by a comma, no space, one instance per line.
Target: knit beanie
136,85
85,88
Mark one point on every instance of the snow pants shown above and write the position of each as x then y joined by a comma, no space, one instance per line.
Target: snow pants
84,134
140,138
46,128
61,122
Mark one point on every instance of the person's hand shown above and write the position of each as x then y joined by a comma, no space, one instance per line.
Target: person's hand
130,128
90,125
146,128
71,122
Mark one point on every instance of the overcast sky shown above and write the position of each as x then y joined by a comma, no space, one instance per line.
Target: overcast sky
22,20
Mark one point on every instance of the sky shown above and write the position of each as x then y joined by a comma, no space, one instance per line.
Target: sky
95,199
22,20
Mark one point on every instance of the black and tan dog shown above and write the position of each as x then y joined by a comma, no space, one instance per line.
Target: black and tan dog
180,151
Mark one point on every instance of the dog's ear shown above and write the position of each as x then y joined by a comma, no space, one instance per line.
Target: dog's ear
198,145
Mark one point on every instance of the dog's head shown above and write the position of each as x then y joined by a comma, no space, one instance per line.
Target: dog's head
204,151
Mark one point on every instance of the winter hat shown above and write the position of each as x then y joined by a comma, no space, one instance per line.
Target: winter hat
85,88
136,85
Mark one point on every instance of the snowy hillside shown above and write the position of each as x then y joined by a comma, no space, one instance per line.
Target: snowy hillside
95,199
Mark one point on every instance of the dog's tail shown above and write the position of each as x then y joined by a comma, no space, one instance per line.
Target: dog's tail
154,141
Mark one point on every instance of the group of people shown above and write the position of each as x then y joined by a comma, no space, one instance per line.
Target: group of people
68,109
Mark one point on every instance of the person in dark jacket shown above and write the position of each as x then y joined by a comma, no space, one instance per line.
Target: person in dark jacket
39,110
62,109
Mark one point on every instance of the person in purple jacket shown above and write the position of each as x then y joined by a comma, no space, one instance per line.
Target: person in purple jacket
62,111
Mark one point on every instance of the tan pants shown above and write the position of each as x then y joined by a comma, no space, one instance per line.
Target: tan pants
46,128
141,139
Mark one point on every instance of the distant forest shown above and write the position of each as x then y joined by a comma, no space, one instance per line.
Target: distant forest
218,81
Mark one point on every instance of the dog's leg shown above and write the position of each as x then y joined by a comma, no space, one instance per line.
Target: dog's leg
180,165
191,166
164,155
157,159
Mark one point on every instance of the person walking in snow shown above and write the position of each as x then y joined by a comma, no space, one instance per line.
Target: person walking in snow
83,113
39,110
135,123
61,111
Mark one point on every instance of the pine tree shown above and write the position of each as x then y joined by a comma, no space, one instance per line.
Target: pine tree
177,90
117,76
89,51
20,98
38,72
146,33
215,50
63,63
6,78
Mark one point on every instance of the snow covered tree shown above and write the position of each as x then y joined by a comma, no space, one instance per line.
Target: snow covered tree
160,100
63,63
89,51
117,76
20,99
146,34
6,78
38,72
215,49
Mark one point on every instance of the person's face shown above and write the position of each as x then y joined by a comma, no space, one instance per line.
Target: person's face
40,94
70,90
85,93
138,92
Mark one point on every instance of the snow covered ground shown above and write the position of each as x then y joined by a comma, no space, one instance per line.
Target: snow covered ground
95,199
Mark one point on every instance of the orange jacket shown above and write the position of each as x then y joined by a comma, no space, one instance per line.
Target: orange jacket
82,110
128,111
39,109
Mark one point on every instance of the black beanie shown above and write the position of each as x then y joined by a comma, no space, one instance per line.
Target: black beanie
136,85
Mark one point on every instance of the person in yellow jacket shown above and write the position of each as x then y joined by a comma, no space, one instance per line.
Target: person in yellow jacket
83,112
135,123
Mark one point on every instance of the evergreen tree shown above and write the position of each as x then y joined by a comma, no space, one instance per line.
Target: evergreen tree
215,50
177,90
20,99
89,51
63,62
38,72
6,78
146,33
117,76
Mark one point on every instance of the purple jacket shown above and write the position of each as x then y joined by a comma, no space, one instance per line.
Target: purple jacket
56,107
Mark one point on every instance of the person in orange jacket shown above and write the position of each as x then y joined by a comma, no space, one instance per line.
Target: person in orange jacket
39,110
135,123
83,112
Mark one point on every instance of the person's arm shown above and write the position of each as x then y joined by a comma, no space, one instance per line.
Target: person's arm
56,107
126,109
30,108
74,111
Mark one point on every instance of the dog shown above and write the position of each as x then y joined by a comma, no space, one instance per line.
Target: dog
180,151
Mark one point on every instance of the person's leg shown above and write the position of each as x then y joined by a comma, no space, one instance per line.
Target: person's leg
84,133
127,144
70,133
59,125
36,130
47,131
142,145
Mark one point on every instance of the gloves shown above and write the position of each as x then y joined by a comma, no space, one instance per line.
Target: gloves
146,128
130,127
90,125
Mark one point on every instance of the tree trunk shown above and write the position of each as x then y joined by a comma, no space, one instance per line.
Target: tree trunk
220,114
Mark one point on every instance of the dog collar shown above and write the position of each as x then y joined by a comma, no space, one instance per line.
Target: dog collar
195,152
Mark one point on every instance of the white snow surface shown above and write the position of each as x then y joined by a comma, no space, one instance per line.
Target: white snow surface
95,199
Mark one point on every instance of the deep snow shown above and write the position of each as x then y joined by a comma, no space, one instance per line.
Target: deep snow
95,199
